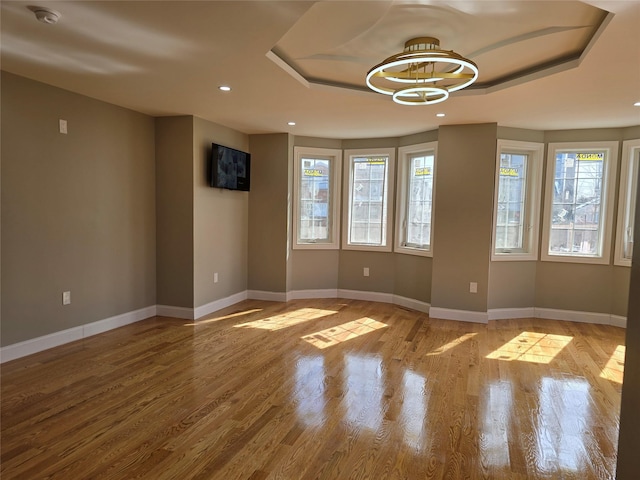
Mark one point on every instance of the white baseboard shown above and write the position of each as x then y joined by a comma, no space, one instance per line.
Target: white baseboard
583,317
318,293
369,296
618,321
175,312
460,315
216,305
505,313
268,296
411,303
35,345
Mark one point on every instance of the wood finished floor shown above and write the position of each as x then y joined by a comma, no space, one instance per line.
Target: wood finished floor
320,389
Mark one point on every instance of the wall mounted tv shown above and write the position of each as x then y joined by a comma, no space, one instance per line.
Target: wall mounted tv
229,168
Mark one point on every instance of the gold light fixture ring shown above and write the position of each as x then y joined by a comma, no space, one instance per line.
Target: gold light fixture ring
421,95
422,63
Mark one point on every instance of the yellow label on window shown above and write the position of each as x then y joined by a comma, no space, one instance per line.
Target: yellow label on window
598,157
422,171
313,172
372,160
509,172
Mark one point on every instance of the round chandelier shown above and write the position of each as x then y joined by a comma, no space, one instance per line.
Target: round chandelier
422,74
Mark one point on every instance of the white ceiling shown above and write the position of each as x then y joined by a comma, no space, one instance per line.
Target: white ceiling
543,65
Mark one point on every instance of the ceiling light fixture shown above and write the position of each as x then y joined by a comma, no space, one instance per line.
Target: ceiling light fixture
440,114
637,104
422,74
291,124
224,88
45,15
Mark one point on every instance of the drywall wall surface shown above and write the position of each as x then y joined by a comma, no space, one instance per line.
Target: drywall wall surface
620,291
628,458
78,210
583,135
269,211
381,267
317,142
520,134
463,213
314,269
413,277
415,139
631,133
363,143
220,220
174,211
512,284
574,286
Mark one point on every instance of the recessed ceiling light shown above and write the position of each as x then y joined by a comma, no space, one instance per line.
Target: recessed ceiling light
224,88
637,104
439,114
291,124
45,15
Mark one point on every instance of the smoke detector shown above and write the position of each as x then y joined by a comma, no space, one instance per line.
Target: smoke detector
45,15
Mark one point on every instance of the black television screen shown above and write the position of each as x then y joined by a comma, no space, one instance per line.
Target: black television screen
229,168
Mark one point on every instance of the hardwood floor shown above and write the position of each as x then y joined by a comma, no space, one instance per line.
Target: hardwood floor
326,389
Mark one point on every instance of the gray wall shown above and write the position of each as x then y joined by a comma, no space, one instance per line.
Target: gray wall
628,458
463,216
221,220
78,210
512,285
174,212
269,211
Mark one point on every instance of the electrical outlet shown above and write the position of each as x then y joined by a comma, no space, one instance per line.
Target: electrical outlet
66,298
215,277
365,271
473,287
63,126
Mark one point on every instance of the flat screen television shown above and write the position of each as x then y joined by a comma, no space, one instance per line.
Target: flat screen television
229,168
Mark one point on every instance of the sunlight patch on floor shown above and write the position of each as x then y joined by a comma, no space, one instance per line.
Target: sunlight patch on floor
289,319
452,344
342,333
532,347
223,317
614,369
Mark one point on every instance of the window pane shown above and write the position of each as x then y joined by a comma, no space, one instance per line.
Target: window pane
510,221
419,201
576,210
368,200
315,198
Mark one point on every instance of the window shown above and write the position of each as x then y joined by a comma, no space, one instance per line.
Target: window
368,175
316,198
579,203
516,208
416,173
627,202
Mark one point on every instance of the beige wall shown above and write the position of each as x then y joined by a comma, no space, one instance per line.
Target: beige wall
628,458
512,285
220,220
462,217
269,211
413,277
78,210
174,211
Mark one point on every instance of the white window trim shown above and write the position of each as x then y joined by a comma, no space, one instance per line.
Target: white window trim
628,177
535,162
401,200
391,153
336,169
608,198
